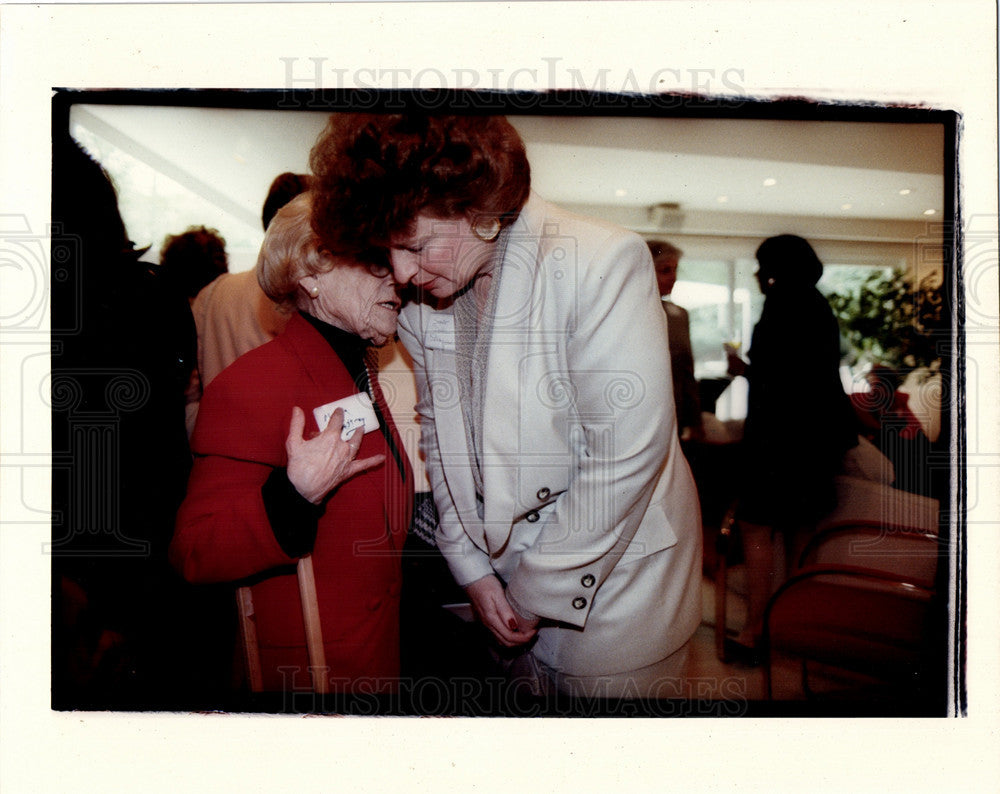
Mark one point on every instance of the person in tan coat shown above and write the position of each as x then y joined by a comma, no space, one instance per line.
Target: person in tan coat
232,313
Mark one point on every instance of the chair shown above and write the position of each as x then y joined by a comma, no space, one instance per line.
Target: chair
862,599
860,502
861,596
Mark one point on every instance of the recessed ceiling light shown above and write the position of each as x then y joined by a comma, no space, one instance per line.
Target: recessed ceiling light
846,206
621,192
905,191
930,212
722,199
770,182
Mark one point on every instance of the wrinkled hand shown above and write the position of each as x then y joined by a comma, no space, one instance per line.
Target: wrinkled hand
491,605
318,465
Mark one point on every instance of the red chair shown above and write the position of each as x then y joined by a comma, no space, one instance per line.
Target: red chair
862,599
866,527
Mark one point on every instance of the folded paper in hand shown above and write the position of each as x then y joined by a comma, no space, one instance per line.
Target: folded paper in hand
358,412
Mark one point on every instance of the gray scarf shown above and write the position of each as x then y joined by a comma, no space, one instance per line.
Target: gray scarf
473,334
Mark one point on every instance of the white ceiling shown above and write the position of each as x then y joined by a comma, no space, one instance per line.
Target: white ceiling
822,169
817,167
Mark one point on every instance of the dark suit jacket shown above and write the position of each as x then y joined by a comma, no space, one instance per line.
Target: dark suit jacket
223,533
682,366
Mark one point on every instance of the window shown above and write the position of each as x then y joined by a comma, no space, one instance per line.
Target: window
153,205
723,303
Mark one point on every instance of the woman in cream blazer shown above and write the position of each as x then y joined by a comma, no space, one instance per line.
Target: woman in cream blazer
567,510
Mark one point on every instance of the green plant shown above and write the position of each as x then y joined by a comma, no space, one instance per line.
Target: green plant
887,320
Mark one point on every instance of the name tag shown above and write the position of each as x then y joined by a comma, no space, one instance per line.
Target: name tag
358,413
440,332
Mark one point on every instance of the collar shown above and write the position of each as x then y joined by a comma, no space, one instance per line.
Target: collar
347,346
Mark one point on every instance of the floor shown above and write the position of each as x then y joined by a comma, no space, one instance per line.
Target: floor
711,678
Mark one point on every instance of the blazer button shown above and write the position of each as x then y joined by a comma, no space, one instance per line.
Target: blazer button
532,517
543,493
579,602
588,580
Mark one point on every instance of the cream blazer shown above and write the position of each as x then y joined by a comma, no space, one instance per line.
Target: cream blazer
589,511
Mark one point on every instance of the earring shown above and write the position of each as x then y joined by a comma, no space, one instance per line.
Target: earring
487,232
314,292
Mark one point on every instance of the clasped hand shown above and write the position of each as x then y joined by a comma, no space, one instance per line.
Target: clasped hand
318,465
495,612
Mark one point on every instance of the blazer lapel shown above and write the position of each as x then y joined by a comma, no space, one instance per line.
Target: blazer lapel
510,344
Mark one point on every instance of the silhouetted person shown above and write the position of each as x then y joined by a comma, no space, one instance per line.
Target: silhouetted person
283,189
232,314
799,420
123,350
193,259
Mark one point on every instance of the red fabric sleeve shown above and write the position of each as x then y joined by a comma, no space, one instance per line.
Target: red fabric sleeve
222,532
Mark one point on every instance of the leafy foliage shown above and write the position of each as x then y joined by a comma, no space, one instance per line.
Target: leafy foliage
887,320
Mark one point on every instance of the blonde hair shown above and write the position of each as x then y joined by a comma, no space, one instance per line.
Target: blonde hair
291,251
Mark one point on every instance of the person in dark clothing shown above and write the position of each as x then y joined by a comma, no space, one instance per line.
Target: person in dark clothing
123,348
799,420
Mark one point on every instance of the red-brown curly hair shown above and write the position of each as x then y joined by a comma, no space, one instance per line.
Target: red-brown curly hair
375,173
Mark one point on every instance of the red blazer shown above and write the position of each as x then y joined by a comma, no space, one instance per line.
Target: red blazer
223,534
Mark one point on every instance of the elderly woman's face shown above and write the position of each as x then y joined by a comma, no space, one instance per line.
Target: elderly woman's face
362,300
440,256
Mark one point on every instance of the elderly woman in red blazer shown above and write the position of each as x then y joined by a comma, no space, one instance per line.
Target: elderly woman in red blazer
270,485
